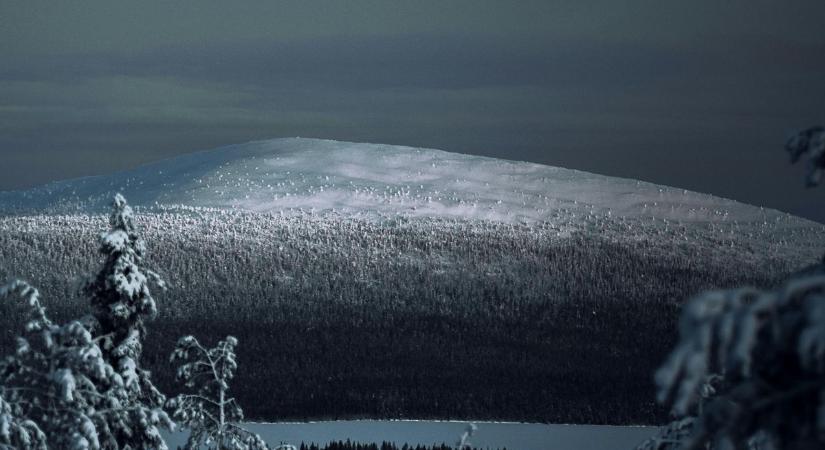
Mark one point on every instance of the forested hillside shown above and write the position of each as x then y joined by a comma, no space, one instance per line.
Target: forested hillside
436,318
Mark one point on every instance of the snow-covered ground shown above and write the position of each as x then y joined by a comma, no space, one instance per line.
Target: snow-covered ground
514,436
323,175
332,179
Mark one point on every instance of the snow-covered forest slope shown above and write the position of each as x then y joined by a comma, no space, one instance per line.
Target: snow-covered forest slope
386,281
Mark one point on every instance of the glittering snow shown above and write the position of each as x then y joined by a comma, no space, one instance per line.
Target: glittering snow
351,178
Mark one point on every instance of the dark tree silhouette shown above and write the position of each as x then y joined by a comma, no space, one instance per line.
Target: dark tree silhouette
749,368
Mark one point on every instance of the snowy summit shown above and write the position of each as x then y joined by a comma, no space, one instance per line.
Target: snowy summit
353,178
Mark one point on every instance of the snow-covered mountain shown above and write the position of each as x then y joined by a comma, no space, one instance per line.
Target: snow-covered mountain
333,180
352,178
466,286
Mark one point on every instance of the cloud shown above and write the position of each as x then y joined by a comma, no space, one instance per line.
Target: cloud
685,115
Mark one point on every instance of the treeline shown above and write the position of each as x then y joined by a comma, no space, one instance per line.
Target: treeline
341,318
347,445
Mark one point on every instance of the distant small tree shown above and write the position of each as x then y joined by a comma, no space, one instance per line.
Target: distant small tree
121,303
60,393
211,416
464,441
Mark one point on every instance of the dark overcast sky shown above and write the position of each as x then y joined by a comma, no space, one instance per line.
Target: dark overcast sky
699,94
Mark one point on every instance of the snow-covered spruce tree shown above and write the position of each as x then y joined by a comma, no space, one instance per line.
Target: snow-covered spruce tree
59,391
810,142
121,304
769,348
211,416
763,353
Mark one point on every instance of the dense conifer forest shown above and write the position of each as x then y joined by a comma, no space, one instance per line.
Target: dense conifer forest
399,318
347,445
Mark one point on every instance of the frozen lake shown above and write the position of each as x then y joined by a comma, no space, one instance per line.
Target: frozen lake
513,436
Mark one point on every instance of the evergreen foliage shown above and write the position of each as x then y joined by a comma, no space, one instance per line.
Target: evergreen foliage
121,303
79,385
17,432
810,142
70,397
553,323
349,445
212,417
748,371
769,348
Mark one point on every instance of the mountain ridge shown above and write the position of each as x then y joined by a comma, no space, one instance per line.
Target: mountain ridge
319,175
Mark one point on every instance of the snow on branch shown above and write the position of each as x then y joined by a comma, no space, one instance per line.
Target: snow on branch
57,391
80,384
767,349
17,432
211,416
122,303
810,142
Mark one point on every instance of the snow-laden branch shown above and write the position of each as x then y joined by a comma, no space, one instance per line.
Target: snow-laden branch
211,416
766,352
810,142
62,392
78,385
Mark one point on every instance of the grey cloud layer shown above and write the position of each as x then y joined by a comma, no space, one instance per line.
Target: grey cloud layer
682,111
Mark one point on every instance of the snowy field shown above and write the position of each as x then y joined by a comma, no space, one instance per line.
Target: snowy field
513,436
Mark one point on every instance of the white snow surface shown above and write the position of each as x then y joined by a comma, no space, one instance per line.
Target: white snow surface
313,175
